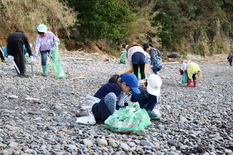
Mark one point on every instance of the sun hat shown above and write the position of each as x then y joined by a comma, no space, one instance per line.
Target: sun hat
154,83
42,28
145,46
131,80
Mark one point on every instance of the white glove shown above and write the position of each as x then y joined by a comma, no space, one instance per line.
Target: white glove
31,59
10,57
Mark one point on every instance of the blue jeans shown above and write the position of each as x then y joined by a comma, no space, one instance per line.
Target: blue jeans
44,57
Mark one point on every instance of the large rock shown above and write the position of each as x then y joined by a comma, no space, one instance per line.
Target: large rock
174,55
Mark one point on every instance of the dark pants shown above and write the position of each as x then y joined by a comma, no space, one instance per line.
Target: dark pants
138,61
145,100
193,77
1,54
15,48
2,57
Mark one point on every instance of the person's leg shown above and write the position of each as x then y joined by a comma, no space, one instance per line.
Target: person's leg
135,62
152,100
189,82
44,62
15,49
142,70
110,100
135,69
1,55
194,80
21,58
151,108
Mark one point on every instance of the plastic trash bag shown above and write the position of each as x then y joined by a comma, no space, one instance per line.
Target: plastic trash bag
90,119
123,57
184,78
131,119
56,64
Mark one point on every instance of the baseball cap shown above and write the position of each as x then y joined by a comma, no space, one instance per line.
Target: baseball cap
131,80
42,28
145,46
154,83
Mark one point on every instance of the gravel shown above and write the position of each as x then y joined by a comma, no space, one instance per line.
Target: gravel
194,120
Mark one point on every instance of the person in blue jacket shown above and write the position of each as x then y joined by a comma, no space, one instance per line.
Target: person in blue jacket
109,94
230,58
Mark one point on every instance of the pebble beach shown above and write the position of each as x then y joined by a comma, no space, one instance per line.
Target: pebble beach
38,114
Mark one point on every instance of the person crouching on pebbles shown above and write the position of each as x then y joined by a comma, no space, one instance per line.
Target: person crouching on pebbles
149,98
192,70
109,93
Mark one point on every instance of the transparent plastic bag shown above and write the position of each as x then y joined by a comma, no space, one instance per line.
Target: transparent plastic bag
56,64
130,119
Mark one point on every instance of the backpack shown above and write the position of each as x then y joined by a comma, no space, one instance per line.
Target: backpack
157,64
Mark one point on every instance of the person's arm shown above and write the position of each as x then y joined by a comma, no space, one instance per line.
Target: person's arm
152,54
55,39
27,46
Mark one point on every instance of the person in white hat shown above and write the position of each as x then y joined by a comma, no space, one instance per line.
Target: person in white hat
149,98
45,41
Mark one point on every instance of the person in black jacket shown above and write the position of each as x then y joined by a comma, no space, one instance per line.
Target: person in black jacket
15,44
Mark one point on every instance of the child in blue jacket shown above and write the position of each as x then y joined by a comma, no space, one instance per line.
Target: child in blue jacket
109,95
230,58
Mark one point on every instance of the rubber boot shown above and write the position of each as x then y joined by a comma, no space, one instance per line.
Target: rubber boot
189,83
194,83
45,72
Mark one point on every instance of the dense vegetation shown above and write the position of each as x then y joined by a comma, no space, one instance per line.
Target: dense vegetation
183,26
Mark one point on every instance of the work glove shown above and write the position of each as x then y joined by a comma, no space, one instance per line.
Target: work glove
31,59
35,55
10,57
56,43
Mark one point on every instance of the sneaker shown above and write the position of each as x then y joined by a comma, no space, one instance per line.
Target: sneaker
155,114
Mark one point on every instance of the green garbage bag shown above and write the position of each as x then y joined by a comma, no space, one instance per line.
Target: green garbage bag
123,57
56,64
130,119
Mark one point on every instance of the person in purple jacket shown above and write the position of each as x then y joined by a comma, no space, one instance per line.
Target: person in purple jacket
45,41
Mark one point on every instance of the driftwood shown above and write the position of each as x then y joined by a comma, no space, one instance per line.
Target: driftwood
78,59
175,62
80,77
